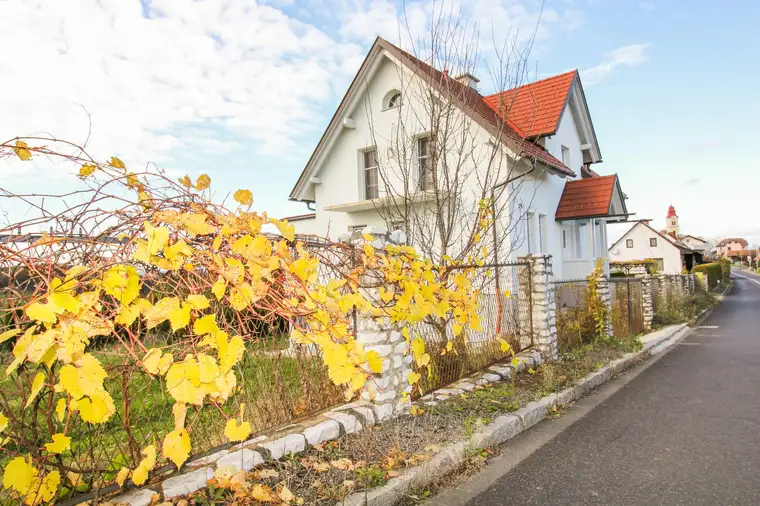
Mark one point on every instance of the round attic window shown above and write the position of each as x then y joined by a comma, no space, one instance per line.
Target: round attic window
392,99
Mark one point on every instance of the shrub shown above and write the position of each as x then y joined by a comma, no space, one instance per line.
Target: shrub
715,273
725,266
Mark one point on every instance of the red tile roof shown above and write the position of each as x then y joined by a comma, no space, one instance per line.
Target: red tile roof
536,108
586,198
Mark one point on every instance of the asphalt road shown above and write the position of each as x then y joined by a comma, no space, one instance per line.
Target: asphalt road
684,431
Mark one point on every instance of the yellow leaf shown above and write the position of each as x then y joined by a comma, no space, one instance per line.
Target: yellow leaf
416,410
19,475
179,316
287,230
37,384
22,150
8,334
286,495
413,378
97,408
203,182
75,479
177,447
505,346
235,431
197,301
418,347
43,490
122,476
206,325
86,169
60,444
186,181
219,288
151,360
262,493
116,163
123,283
375,361
180,411
3,422
43,313
195,224
60,409
244,197
140,474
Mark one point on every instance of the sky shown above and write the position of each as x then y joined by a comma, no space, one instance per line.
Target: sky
242,90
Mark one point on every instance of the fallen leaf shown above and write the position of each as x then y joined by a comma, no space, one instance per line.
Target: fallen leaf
268,473
393,474
286,495
262,493
342,464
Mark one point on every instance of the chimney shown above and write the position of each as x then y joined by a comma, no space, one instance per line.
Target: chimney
468,80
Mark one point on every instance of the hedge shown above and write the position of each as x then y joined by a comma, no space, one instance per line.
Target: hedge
714,272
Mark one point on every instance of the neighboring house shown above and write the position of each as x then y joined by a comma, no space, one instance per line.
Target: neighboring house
743,255
696,243
642,242
562,205
730,244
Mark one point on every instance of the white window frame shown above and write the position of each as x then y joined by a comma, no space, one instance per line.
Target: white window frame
422,182
627,242
531,232
543,237
566,155
366,169
650,242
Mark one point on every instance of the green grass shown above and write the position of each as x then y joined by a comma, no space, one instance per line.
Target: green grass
275,387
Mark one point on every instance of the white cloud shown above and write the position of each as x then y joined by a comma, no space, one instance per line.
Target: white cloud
233,67
626,56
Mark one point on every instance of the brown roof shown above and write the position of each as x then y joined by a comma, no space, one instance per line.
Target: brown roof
742,253
301,217
536,108
586,198
741,241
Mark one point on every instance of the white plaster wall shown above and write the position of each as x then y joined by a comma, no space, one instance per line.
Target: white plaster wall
567,135
307,227
641,250
341,171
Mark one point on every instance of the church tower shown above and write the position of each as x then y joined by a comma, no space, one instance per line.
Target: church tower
671,222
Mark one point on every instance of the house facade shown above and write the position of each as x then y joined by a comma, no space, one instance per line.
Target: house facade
724,247
642,242
373,165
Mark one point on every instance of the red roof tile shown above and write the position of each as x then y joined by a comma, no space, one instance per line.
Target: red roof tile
586,198
534,109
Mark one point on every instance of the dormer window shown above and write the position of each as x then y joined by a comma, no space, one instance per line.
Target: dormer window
392,99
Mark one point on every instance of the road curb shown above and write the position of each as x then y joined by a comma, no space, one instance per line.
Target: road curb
507,426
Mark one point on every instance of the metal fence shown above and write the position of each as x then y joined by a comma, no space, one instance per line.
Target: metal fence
574,323
504,308
627,301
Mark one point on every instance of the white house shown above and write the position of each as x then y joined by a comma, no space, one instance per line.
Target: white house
547,140
642,242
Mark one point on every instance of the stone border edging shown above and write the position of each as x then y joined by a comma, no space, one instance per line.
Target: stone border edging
353,417
507,426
